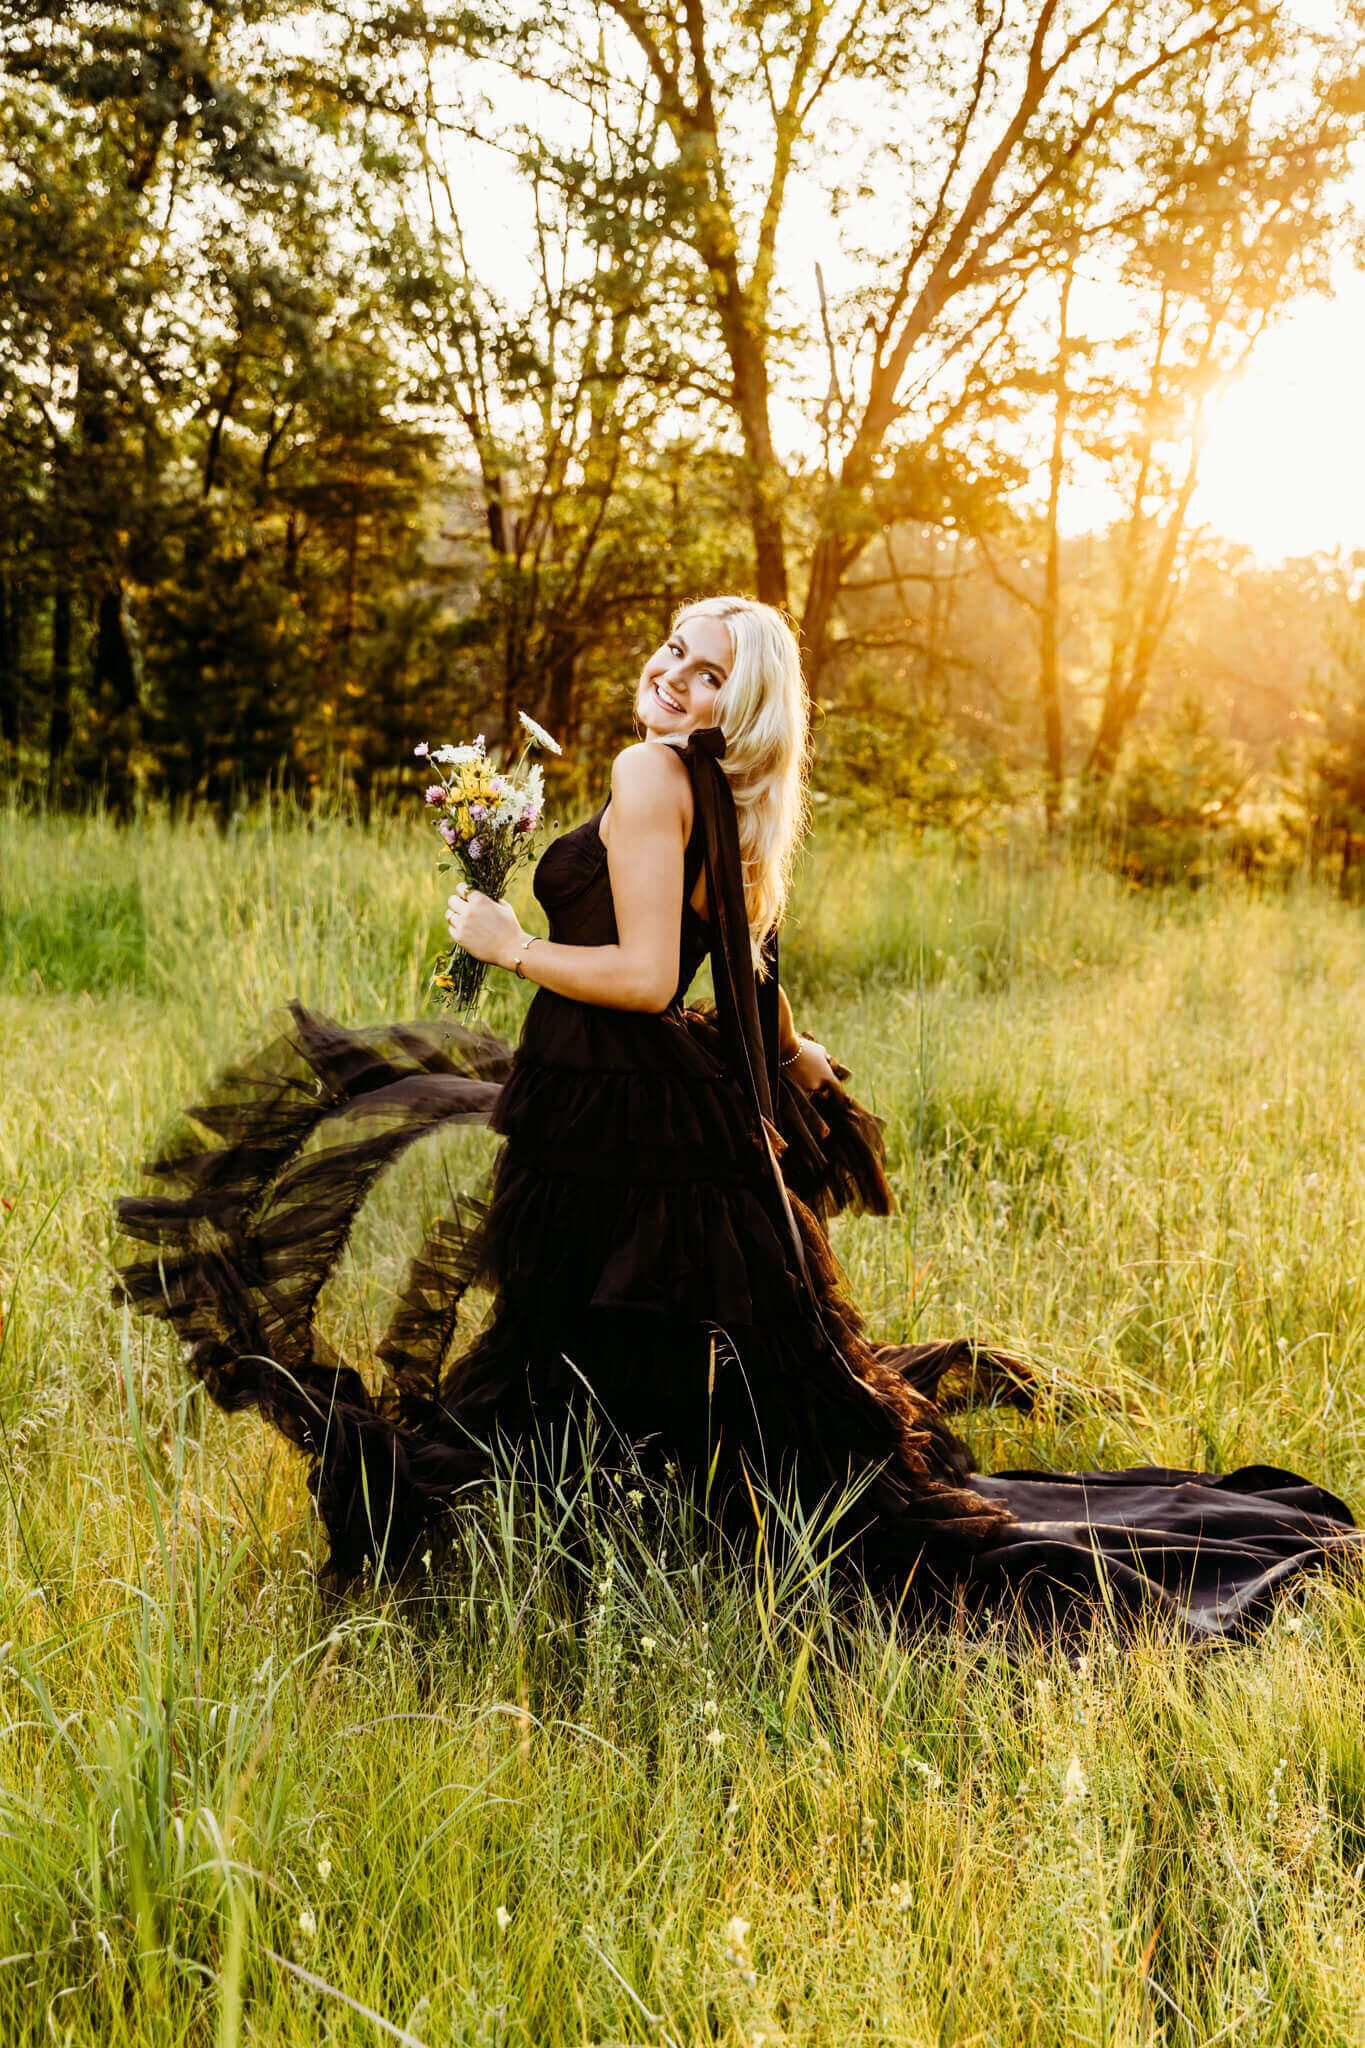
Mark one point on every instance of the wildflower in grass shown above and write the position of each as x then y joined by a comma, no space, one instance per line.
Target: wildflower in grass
715,1738
503,1918
1074,1784
647,1646
902,1896
737,1950
635,1497
308,1925
324,1868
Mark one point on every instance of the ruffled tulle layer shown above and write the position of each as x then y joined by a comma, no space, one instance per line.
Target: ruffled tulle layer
643,1275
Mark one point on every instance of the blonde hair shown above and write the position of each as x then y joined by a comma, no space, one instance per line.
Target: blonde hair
764,711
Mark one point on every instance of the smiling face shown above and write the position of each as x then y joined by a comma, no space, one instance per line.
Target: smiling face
681,681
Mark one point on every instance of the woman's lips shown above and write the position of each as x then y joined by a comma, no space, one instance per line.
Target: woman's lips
669,703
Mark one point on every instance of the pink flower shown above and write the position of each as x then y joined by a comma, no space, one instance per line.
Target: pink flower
475,849
528,820
421,750
477,811
436,794
448,833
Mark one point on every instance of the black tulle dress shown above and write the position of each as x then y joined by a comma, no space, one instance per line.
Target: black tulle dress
654,1243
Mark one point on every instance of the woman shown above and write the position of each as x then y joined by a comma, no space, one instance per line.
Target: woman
652,1238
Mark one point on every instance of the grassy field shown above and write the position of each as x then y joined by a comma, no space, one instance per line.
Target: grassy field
686,1802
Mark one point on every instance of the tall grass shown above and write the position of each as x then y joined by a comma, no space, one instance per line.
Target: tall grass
602,1782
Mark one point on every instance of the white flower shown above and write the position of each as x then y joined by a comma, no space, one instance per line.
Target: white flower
635,1497
647,1646
451,757
308,1925
503,1918
1073,1784
421,750
715,1737
426,1560
538,735
737,1949
324,1868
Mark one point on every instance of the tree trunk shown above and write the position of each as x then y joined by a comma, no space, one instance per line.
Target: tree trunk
9,664
828,563
59,725
113,656
767,483
1126,690
1049,616
559,664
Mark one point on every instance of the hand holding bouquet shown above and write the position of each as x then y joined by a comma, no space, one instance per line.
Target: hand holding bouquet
487,817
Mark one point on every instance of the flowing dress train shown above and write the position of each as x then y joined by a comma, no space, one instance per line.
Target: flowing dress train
654,1244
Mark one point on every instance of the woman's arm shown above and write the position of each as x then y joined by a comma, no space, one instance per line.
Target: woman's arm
651,816
801,1059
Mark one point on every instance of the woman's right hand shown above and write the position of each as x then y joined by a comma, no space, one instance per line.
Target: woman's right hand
811,1068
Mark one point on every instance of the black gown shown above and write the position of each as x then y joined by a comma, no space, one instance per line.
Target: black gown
654,1245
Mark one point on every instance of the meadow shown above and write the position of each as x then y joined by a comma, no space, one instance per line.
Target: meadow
630,1789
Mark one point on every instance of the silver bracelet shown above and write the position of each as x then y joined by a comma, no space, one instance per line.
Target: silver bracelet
521,955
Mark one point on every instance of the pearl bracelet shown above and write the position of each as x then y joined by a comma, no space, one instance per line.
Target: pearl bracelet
791,1059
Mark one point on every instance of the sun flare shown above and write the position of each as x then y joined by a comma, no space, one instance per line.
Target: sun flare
1284,469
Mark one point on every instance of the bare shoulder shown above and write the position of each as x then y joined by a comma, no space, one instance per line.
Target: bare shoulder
650,778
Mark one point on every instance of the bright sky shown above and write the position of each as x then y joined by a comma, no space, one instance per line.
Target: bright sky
1284,466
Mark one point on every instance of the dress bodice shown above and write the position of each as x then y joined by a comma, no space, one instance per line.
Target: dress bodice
573,887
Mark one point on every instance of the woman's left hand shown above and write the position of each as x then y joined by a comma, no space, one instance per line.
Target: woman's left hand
811,1068
484,927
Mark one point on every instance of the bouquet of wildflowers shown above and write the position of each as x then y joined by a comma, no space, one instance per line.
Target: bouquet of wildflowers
487,815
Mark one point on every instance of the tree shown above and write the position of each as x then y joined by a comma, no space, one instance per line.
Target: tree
117,121
971,131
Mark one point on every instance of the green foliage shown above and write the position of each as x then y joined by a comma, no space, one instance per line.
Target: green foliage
901,769
1175,814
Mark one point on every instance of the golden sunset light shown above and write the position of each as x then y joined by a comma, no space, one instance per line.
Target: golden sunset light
1284,465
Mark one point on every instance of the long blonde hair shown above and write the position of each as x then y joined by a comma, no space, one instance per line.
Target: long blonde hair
764,711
